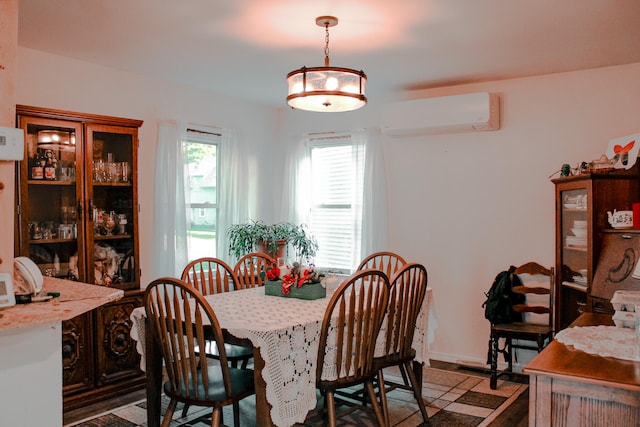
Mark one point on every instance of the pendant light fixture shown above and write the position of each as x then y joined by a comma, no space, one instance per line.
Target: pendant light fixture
326,89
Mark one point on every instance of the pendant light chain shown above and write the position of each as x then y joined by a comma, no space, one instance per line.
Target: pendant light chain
326,44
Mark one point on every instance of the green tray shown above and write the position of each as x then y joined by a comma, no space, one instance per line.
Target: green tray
308,291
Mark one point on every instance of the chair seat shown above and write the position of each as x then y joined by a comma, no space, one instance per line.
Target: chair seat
520,328
233,351
392,360
242,384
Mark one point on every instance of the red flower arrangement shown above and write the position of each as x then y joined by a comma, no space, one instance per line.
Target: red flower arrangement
297,275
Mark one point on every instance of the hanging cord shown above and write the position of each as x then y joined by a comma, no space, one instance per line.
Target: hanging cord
326,44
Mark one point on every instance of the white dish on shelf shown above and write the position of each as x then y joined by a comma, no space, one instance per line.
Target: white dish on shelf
575,240
580,280
571,205
579,232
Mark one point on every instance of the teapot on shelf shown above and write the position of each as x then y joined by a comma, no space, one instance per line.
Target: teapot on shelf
620,219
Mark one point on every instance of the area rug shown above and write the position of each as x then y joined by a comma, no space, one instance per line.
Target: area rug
453,398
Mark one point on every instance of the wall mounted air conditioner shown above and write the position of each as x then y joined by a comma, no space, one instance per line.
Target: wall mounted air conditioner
448,114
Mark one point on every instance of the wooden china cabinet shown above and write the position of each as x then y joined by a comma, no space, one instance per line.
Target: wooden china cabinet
77,218
582,203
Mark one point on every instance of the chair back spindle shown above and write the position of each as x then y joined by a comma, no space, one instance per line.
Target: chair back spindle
210,276
387,262
248,269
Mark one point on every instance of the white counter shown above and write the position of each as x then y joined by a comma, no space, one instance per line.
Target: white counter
31,351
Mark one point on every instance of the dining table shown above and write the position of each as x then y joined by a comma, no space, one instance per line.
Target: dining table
284,333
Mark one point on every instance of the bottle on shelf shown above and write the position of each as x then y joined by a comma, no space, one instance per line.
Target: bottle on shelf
50,165
37,169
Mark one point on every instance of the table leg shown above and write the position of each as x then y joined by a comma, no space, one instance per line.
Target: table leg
263,409
153,365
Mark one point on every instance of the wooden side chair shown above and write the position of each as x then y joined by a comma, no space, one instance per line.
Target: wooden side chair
182,322
387,262
208,276
538,331
211,276
348,336
407,293
249,267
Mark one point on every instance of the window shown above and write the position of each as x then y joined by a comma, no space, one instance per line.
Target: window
201,192
337,168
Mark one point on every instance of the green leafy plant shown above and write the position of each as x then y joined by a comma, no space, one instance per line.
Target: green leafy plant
246,238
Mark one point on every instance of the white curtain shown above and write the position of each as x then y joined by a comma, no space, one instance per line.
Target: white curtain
296,201
237,199
374,198
170,227
371,206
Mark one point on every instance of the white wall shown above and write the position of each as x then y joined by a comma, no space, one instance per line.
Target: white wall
8,71
465,205
51,81
469,205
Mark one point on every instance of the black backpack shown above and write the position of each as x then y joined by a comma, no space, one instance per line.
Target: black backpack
497,307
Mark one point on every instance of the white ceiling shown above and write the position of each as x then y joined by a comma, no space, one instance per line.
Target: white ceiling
245,48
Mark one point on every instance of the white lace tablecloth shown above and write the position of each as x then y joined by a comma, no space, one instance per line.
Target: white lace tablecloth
287,331
605,341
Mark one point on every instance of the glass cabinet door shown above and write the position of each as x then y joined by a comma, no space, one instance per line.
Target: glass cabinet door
112,210
574,234
50,197
574,250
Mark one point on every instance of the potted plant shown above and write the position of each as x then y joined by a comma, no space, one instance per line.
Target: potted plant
251,236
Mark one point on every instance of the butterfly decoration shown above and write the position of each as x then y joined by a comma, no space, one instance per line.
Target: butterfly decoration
624,151
618,149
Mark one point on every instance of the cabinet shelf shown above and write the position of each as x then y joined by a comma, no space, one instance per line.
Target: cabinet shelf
576,248
114,237
112,184
49,182
48,241
576,286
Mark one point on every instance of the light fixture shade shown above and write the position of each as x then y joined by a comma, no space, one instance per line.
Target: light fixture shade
326,89
56,140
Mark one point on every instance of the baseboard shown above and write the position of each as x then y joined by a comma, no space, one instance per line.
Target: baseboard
471,363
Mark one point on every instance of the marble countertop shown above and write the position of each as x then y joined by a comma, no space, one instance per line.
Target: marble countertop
75,298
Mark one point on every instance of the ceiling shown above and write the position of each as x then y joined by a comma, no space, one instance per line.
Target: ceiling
245,48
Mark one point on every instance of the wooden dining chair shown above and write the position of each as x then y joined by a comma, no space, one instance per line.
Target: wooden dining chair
539,300
211,276
406,296
387,262
348,336
182,321
249,267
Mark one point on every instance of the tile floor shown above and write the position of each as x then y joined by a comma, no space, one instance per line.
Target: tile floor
453,399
